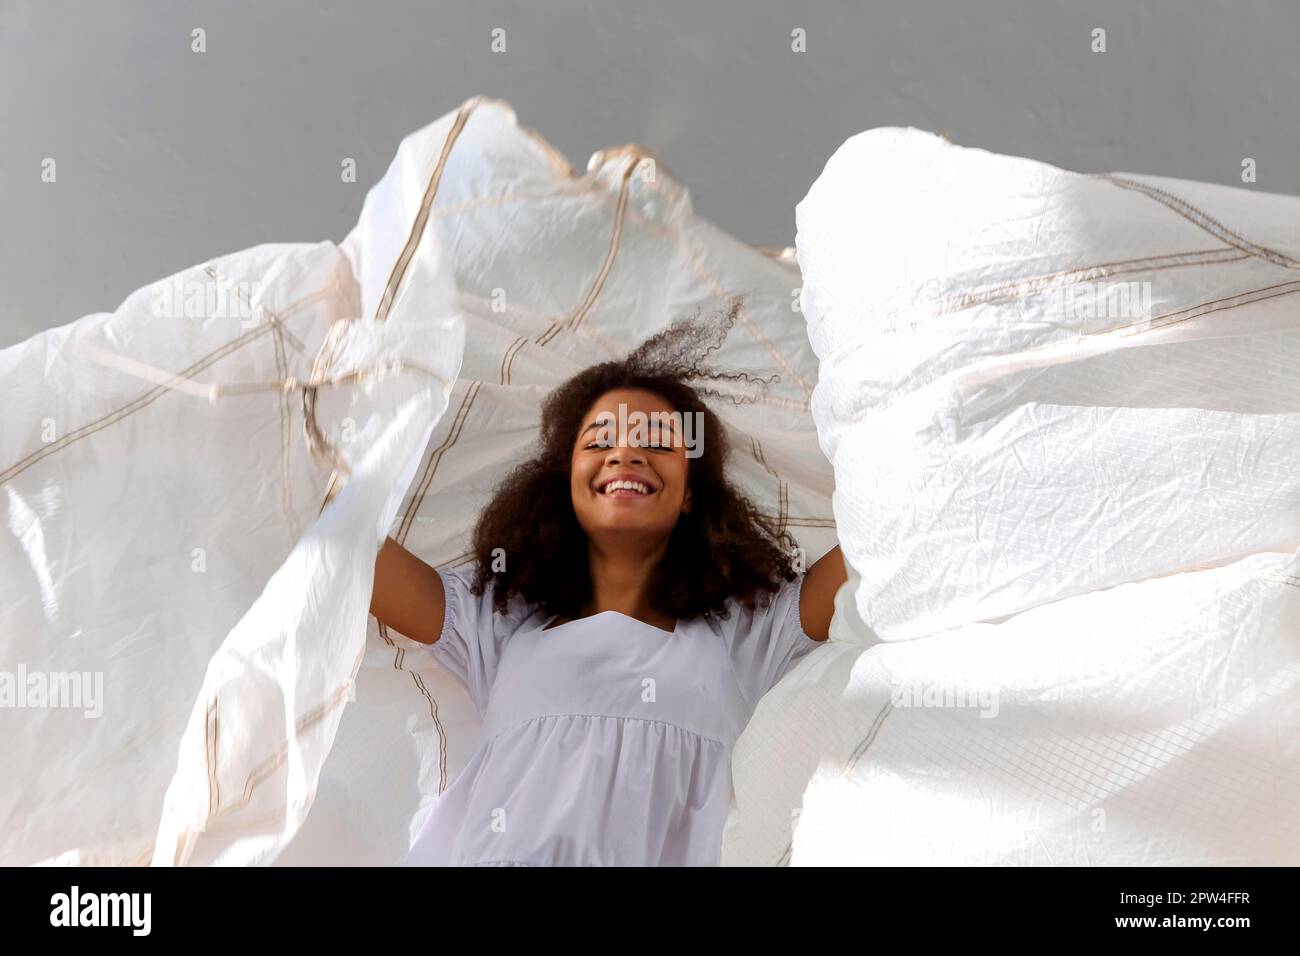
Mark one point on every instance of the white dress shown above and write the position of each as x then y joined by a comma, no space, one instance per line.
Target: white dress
607,741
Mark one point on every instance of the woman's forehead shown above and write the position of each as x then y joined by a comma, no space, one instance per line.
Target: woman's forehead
630,400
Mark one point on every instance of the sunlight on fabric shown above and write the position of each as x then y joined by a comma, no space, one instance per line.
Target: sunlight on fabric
25,526
893,822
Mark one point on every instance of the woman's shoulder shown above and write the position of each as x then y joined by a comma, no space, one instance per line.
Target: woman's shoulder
764,605
765,640
460,582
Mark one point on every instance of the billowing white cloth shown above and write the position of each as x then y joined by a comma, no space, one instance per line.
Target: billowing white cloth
162,547
1072,510
231,732
1089,526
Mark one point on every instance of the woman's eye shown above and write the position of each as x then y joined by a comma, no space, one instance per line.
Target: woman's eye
599,444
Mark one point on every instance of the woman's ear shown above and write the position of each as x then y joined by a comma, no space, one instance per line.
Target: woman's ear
686,501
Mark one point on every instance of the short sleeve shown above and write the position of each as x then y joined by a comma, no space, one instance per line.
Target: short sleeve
473,635
765,643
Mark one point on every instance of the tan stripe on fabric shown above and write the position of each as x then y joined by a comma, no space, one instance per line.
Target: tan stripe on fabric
1205,308
266,820
594,290
576,189
554,156
286,447
1204,221
508,359
422,215
858,752
210,745
234,287
147,398
268,766
576,322
442,731
460,559
679,238
782,493
390,289
431,466
264,769
791,522
620,216
332,488
702,273
1061,280
615,352
399,661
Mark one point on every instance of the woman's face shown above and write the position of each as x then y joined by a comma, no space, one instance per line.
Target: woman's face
632,435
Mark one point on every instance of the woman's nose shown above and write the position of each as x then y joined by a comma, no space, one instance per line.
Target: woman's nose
616,455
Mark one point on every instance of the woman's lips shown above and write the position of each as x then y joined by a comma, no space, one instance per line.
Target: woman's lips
624,493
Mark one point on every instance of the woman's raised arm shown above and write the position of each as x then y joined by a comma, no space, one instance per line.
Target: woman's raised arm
408,595
817,596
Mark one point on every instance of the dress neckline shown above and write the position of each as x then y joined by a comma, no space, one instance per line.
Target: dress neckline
546,628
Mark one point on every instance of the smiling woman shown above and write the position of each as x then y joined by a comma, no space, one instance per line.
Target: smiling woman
689,548
642,609
628,499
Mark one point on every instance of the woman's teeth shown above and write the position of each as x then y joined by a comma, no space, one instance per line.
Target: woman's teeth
635,486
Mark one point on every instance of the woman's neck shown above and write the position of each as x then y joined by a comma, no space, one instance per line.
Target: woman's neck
620,581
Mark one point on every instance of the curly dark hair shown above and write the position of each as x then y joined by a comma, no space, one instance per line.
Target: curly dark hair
722,548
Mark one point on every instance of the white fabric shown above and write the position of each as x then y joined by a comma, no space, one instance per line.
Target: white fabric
1018,497
607,741
167,546
231,732
1072,526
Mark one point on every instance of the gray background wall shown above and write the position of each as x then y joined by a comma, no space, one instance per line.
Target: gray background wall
166,157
